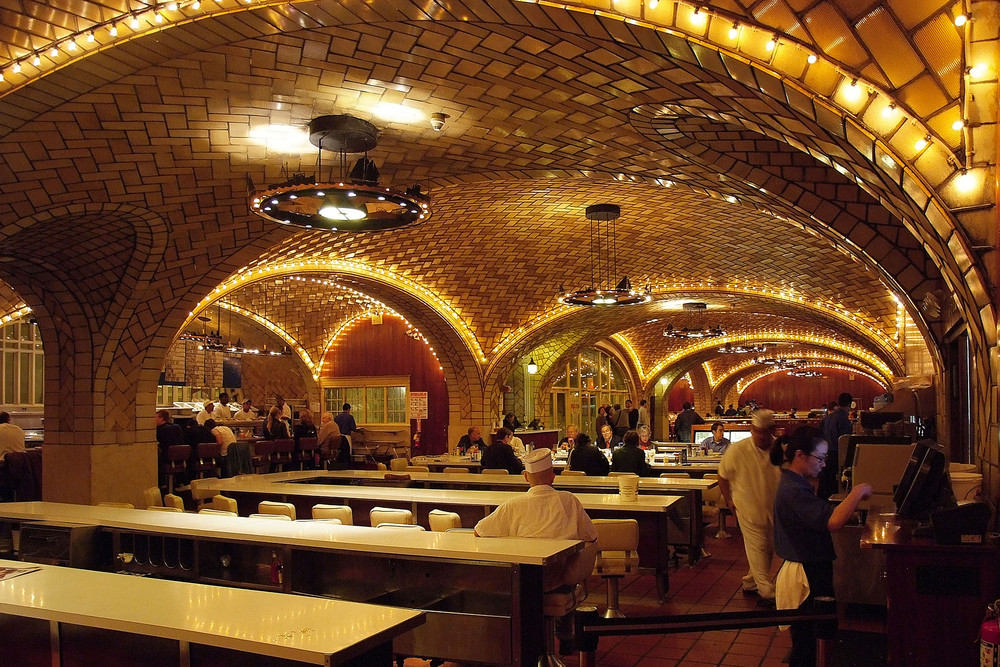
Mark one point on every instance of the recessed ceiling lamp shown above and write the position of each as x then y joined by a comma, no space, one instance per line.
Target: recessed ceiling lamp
805,374
353,201
694,332
606,289
743,348
779,362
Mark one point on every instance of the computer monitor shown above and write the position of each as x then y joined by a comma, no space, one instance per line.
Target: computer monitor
925,485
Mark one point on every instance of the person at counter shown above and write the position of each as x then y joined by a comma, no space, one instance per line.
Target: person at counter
731,411
687,418
620,421
802,525
542,512
569,442
606,438
473,437
206,413
630,458
633,415
501,455
222,411
717,443
645,435
285,409
587,458
643,414
835,424
719,410
275,427
602,419
247,412
511,423
306,428
332,445
345,420
11,436
196,434
748,481
168,433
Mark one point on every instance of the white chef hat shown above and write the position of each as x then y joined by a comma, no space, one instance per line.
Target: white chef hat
538,460
762,418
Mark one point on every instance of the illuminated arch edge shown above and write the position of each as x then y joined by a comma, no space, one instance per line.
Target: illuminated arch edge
273,328
16,314
810,356
741,386
351,321
850,349
248,275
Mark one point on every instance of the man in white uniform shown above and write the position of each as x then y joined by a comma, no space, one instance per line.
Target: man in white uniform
206,413
11,436
542,511
749,481
247,413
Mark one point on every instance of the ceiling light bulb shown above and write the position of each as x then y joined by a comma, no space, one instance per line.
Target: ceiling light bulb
1,75
958,124
90,36
698,17
966,181
195,5
54,52
811,59
961,20
653,3
71,46
734,32
771,43
977,70
17,66
889,111
921,143
159,17
113,30
135,23
172,6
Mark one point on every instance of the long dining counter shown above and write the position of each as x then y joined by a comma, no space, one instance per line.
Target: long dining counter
689,532
696,467
491,587
195,618
653,512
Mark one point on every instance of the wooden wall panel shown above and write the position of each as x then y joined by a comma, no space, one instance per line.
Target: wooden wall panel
780,391
681,392
371,350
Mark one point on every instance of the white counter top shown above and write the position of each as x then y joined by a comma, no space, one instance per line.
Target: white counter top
460,546
292,627
567,482
272,485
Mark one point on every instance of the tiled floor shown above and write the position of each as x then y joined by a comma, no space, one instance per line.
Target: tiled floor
712,585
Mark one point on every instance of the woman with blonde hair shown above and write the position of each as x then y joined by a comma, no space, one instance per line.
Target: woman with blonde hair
275,428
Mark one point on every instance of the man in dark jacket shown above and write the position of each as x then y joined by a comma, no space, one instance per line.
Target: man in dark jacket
685,420
587,458
501,455
630,458
834,425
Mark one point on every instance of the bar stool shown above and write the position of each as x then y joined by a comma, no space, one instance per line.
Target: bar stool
399,464
200,492
573,473
224,503
676,475
272,507
306,452
208,454
714,500
380,515
161,508
410,526
495,471
124,506
279,517
568,591
617,541
262,450
175,501
209,510
152,497
177,461
417,468
282,454
455,471
441,521
342,512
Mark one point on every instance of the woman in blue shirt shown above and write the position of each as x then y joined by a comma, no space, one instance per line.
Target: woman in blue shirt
802,526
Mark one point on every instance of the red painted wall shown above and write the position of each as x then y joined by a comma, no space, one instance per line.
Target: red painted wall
367,350
680,393
780,391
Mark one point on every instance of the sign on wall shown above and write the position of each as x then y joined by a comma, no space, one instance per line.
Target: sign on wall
418,405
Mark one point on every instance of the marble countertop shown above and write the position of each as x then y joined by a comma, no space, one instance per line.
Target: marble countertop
292,627
515,481
363,539
275,485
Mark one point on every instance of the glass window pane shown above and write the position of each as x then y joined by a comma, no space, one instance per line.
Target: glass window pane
375,404
617,375
356,397
589,375
39,378
24,396
396,408
574,373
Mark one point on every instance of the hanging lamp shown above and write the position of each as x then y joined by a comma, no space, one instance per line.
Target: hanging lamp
606,288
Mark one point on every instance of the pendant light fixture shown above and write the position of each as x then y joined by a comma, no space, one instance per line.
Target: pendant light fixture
606,288
349,200
694,332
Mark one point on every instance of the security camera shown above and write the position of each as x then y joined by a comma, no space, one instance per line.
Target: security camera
437,120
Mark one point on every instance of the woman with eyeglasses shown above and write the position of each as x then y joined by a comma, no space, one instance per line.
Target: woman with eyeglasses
802,526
